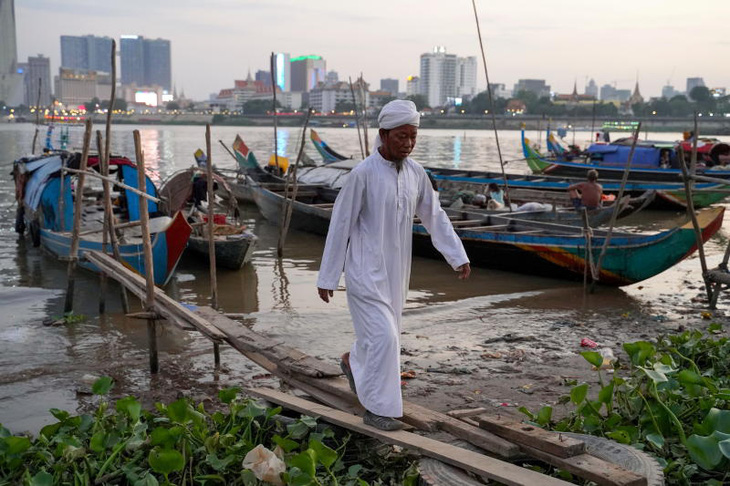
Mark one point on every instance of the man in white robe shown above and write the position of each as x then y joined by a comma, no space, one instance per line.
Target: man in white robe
370,235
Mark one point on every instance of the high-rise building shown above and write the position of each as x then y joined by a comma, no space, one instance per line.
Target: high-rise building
264,77
332,77
38,75
610,93
447,78
86,52
146,62
307,72
11,81
157,63
669,92
536,86
282,65
79,86
390,85
592,89
413,86
499,90
693,83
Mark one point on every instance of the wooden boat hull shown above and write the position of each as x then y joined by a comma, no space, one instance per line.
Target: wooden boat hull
305,217
167,248
629,259
231,252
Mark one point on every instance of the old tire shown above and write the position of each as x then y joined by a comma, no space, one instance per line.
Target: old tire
436,473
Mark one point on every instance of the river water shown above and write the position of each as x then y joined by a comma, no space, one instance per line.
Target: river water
44,367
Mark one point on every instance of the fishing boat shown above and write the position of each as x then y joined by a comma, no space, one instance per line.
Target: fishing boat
328,154
234,245
513,242
46,209
561,251
610,160
549,189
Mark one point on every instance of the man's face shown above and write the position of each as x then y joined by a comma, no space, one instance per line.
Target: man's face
398,143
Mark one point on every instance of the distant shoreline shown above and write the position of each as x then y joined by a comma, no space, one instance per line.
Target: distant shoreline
708,125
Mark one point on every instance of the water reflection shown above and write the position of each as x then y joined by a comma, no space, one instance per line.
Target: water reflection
282,141
457,152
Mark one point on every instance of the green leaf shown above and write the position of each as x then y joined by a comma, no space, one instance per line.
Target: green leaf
724,446
178,411
544,415
297,430
605,395
148,480
527,412
325,455
593,358
306,462
252,410
620,436
227,395
129,406
16,445
717,419
219,464
102,385
42,478
704,451
657,440
287,445
578,393
689,377
165,461
60,415
639,352
165,437
715,328
655,376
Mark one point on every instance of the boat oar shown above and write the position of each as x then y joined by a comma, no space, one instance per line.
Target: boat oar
616,208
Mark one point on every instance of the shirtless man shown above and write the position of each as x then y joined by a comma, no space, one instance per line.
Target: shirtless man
586,194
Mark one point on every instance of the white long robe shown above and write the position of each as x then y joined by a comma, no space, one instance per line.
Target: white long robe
370,235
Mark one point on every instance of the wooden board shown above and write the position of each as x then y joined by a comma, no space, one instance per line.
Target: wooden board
535,437
474,462
466,412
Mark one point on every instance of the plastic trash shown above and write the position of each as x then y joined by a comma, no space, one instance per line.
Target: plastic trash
265,465
587,343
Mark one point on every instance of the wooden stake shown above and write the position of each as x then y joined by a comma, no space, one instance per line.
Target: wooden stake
105,229
364,115
116,183
211,222
273,90
357,118
78,207
286,208
148,265
37,110
616,208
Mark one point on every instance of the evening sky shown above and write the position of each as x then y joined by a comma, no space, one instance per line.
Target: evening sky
562,41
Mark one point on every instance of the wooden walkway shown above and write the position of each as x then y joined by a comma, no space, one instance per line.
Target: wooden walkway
325,383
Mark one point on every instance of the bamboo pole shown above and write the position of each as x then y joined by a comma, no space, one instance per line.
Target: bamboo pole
273,90
78,207
211,238
37,112
116,183
288,205
105,229
149,270
227,150
364,115
357,118
491,106
104,164
616,208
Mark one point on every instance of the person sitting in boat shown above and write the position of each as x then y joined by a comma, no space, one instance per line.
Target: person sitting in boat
586,194
496,196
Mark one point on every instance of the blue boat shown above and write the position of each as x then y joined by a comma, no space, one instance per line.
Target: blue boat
48,214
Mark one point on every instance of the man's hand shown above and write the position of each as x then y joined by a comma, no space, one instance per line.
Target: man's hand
464,272
325,294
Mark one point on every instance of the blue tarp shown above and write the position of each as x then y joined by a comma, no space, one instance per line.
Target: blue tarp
129,176
49,205
618,155
40,170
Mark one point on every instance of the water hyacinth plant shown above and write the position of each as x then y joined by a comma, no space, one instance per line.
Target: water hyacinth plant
181,443
674,402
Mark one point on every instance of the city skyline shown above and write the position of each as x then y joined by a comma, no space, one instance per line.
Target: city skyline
564,42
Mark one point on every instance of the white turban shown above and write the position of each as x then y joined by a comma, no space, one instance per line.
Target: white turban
395,114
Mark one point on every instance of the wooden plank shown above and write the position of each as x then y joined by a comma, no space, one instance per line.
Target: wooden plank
530,435
591,468
466,412
245,340
471,461
163,304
